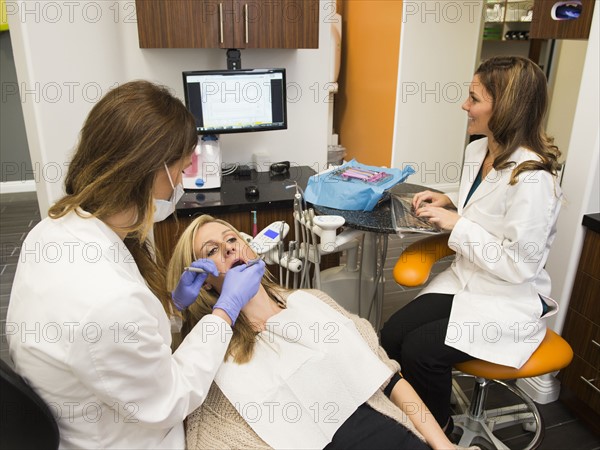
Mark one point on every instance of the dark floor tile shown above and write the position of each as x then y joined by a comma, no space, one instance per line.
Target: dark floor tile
7,273
16,211
13,238
555,414
5,287
18,197
9,258
569,436
17,227
3,340
4,356
9,249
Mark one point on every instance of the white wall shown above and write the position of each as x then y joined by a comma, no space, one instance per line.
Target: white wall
68,54
581,180
439,51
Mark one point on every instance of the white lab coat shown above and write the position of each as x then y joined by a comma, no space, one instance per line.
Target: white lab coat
93,340
502,241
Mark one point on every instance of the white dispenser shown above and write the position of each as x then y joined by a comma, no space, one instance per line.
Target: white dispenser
205,171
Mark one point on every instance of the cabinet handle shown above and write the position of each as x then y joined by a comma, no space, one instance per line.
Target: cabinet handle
589,382
221,22
595,343
246,20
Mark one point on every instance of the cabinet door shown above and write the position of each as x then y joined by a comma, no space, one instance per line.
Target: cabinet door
544,26
185,23
276,24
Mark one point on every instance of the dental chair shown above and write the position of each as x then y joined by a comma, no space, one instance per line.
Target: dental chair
478,425
27,422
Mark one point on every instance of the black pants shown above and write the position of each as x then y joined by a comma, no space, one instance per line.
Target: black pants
414,336
369,429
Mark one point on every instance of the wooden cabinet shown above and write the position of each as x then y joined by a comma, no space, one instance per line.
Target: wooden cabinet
544,26
228,23
507,30
507,20
581,379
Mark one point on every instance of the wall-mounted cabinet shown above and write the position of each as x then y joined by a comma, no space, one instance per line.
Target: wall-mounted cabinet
507,20
554,19
507,31
527,27
228,23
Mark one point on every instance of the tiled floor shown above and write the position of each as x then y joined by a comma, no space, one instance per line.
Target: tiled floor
19,213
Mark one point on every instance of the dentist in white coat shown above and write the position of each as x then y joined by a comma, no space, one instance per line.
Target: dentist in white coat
87,322
492,302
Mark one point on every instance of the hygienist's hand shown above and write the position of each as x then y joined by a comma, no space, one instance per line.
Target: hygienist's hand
431,198
240,285
443,218
189,285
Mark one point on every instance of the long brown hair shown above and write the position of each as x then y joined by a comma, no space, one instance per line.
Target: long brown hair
241,346
127,137
519,103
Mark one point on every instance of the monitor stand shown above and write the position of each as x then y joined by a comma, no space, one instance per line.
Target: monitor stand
234,59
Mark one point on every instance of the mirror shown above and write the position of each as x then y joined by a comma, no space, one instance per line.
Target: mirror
566,10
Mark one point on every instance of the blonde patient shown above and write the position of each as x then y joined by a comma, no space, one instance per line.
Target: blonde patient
300,371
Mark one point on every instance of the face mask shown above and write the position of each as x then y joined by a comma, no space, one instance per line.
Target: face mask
164,208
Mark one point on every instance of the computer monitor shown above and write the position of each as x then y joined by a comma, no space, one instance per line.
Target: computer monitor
236,101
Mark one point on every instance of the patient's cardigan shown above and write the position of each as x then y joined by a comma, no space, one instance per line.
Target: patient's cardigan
217,424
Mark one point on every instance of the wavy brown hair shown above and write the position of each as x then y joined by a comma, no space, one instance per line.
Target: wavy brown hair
241,346
127,137
519,104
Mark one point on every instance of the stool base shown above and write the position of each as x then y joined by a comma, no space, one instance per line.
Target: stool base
477,424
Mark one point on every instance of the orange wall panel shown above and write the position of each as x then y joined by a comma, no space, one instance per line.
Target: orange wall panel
365,104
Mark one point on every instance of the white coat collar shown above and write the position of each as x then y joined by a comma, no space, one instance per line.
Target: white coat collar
474,156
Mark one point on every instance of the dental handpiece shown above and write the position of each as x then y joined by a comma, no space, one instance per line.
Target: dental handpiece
251,262
198,270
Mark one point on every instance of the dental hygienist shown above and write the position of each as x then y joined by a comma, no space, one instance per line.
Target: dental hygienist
87,322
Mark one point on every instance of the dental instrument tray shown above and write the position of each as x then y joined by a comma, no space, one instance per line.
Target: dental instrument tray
362,175
404,219
353,186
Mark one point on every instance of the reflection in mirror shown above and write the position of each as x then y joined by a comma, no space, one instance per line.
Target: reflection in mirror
566,10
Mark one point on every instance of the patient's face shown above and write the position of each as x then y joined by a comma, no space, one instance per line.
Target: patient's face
223,246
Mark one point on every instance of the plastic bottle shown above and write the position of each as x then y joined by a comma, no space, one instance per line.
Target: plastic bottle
209,161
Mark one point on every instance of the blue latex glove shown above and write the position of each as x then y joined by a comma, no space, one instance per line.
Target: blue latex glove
189,285
240,285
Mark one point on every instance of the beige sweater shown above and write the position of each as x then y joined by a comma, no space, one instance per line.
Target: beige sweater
217,425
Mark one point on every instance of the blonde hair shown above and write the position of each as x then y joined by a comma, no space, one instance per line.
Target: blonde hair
519,92
241,347
127,137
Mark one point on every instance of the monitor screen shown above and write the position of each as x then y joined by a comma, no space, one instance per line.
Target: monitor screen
236,101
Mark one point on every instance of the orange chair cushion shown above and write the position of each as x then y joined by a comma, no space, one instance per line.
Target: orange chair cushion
415,263
553,354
